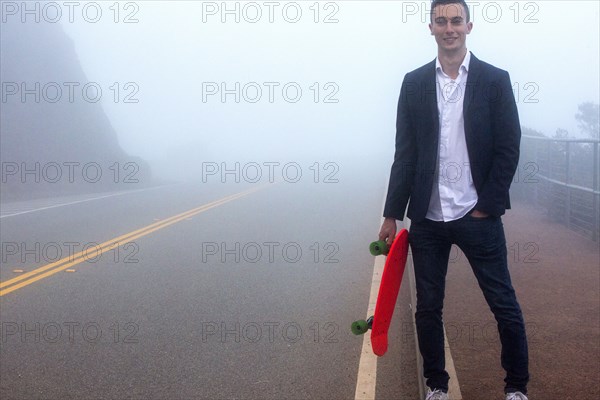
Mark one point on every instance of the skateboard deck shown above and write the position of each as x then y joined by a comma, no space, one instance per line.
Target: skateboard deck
389,287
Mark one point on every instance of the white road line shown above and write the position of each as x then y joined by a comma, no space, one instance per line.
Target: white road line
453,386
367,366
77,202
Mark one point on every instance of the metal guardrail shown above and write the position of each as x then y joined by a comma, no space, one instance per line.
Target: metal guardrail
562,177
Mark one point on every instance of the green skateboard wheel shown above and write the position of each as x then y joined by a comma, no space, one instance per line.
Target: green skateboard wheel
359,327
379,247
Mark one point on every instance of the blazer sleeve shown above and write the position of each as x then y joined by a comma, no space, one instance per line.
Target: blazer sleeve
493,197
404,165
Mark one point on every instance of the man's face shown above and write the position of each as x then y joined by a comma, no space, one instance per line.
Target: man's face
450,27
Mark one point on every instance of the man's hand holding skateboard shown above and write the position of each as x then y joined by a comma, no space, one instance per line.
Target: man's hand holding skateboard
388,230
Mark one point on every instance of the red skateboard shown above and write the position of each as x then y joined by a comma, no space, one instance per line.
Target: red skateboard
388,292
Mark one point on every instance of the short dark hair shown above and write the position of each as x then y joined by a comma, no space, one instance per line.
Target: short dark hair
435,3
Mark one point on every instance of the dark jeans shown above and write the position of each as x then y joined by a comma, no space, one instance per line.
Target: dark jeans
482,240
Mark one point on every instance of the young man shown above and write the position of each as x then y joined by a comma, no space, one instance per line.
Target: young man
457,149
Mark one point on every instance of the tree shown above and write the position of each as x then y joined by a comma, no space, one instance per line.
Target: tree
588,118
561,133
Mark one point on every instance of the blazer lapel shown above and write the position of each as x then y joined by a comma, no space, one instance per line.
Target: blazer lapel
431,99
471,85
471,90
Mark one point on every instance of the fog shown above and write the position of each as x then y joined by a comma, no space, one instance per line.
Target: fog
316,81
125,128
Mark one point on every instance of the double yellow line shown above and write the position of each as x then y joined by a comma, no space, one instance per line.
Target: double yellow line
50,269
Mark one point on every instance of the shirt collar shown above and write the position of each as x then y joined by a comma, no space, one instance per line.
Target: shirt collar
464,64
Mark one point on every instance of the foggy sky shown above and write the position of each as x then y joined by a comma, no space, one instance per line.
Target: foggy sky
550,48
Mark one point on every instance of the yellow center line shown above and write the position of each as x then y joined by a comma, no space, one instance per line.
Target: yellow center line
66,262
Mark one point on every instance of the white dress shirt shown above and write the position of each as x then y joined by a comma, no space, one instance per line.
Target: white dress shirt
454,193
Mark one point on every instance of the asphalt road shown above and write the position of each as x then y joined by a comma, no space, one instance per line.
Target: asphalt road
249,299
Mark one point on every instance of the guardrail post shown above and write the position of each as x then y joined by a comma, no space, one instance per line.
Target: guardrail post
567,181
596,195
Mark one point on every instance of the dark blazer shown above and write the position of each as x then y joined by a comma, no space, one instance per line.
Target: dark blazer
492,132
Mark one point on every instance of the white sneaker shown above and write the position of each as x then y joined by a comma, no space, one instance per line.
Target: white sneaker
437,394
516,396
